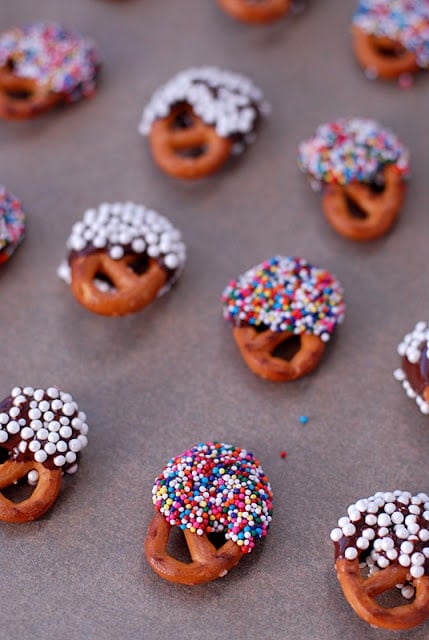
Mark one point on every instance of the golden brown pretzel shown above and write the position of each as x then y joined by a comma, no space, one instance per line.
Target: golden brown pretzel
361,594
192,151
257,347
131,291
380,208
388,58
207,562
256,12
23,98
42,498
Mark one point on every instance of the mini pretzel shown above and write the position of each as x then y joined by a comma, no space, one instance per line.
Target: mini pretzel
226,491
361,169
414,372
388,535
43,65
199,118
256,11
121,257
279,299
42,432
12,224
391,37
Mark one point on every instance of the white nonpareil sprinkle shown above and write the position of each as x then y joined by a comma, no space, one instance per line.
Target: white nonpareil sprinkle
37,432
402,539
413,347
130,228
228,101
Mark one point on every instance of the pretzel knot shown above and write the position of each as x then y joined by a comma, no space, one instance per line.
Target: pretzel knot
42,498
385,57
377,209
207,562
258,11
361,594
186,147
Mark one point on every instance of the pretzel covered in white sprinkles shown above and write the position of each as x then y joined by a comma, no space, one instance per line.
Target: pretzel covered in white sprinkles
414,372
121,257
272,302
43,432
199,117
42,65
387,535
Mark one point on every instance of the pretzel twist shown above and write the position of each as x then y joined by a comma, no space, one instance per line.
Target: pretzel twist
169,145
132,292
208,563
361,593
387,57
257,347
256,12
381,209
23,98
42,498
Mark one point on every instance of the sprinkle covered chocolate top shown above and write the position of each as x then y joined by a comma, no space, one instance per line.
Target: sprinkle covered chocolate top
387,528
57,58
404,21
285,294
44,425
12,224
216,487
228,101
351,150
414,373
128,228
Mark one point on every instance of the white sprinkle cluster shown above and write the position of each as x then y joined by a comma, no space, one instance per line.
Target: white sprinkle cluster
387,528
128,228
44,425
413,347
228,101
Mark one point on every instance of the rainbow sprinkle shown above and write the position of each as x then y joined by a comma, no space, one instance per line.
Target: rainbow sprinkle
58,58
286,294
12,224
404,21
216,487
351,150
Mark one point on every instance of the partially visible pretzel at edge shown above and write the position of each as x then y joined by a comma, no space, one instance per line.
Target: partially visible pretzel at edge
42,431
256,12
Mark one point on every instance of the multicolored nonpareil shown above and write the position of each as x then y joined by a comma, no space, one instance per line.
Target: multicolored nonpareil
12,224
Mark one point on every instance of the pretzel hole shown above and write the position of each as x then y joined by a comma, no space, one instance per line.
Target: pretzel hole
389,49
18,94
354,210
177,547
103,282
192,152
392,598
287,349
139,265
183,120
18,491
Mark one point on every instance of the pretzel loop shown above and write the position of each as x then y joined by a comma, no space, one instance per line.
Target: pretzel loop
42,498
381,209
208,563
256,12
385,56
207,151
257,347
132,292
22,98
361,594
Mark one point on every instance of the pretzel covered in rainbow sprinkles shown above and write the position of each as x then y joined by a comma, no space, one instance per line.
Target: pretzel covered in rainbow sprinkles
12,224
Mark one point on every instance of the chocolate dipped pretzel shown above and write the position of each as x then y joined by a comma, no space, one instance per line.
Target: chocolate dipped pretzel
361,169
43,65
210,488
42,432
278,299
256,11
391,37
383,544
121,257
414,371
199,118
12,224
